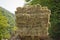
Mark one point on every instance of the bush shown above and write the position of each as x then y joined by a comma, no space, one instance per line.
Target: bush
54,31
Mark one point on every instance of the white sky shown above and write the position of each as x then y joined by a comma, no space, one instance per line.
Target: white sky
11,5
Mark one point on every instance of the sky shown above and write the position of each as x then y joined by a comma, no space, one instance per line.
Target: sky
11,5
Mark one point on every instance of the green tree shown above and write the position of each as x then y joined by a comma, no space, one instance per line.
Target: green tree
10,18
4,33
55,32
54,6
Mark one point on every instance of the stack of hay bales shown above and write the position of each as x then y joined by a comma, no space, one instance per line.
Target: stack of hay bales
33,20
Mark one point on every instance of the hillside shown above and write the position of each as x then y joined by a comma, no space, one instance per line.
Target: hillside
9,16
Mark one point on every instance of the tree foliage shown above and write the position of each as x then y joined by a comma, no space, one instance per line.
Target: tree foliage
8,21
55,31
10,18
4,33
